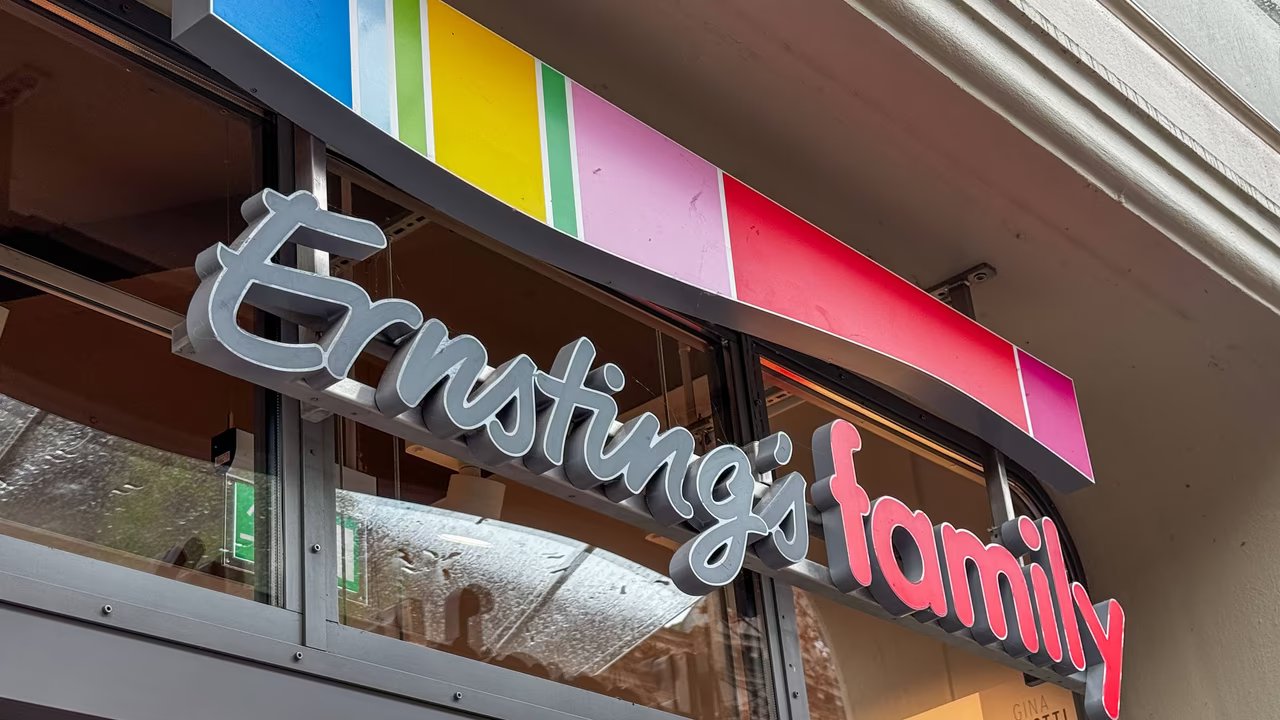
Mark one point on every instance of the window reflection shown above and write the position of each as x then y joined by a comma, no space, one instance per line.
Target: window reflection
75,488
531,600
100,464
462,560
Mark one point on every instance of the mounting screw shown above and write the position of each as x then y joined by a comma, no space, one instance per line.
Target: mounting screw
977,274
457,696
795,694
297,656
315,548
106,609
980,273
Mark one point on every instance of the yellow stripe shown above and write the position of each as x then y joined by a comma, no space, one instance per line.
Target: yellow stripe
485,102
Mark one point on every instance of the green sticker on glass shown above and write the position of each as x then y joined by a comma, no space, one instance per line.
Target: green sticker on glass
242,521
349,555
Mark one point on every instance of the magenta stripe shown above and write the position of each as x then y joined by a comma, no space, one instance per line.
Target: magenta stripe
1054,412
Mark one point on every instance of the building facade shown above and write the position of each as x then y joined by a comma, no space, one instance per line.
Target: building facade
412,358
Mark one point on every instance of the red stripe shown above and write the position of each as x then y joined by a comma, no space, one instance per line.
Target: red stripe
787,266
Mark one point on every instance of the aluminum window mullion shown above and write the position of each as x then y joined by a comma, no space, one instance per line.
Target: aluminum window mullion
304,157
291,551
281,176
998,493
791,701
785,653
319,562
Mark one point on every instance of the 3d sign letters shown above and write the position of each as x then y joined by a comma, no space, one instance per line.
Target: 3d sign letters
948,575
1014,595
562,418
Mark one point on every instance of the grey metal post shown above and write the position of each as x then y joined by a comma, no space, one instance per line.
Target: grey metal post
958,293
319,566
997,486
960,297
784,650
786,667
290,550
319,473
309,173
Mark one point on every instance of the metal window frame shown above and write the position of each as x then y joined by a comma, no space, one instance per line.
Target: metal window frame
879,402
90,671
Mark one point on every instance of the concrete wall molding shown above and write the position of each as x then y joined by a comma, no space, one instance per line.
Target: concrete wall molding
1186,61
1014,60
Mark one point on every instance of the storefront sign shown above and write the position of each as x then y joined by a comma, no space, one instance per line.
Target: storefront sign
499,141
563,420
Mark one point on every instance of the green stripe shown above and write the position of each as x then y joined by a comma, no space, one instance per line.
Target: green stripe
555,104
410,103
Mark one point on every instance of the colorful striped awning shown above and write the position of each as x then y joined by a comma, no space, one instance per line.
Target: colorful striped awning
628,206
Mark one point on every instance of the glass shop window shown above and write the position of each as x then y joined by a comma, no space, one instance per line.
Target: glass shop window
858,666
112,171
112,179
460,559
114,448
894,460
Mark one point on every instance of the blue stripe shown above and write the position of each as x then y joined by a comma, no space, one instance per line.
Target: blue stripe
293,31
375,69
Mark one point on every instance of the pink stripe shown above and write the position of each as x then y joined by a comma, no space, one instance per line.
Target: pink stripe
647,199
1055,412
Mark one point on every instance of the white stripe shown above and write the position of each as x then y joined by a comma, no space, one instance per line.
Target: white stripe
426,86
355,56
728,246
573,157
1022,387
542,138
391,70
